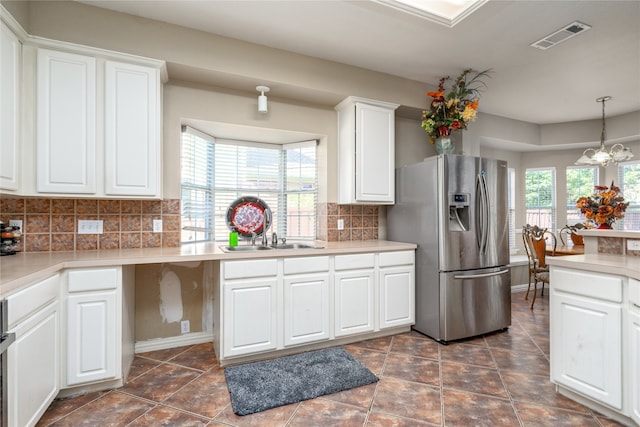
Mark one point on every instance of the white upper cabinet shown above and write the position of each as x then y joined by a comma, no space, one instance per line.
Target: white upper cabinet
366,151
92,122
66,123
132,131
10,56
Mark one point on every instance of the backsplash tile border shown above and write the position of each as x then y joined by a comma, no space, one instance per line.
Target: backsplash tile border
360,222
50,224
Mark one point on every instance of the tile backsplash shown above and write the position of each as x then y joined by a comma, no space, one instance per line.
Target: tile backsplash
52,224
360,222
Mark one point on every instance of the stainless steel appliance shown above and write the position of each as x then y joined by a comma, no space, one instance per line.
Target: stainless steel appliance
5,341
455,209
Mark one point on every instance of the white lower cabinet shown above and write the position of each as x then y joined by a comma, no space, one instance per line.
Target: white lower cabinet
250,306
586,334
250,316
270,304
91,337
354,294
93,325
33,359
396,281
306,300
634,349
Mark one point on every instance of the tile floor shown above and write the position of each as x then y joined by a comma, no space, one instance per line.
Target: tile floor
501,379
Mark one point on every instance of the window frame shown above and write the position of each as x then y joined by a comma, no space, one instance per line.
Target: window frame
529,216
212,224
571,207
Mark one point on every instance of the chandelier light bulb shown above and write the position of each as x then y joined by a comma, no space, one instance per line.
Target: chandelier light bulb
618,152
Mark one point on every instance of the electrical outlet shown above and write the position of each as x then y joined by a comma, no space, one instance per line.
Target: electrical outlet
15,223
341,224
89,226
157,226
185,327
633,245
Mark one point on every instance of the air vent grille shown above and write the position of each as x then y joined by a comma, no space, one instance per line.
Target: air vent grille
561,35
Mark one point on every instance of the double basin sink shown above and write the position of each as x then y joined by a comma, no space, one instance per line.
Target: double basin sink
249,248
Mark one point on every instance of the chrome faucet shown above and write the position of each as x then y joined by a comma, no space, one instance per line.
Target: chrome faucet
253,238
274,239
265,241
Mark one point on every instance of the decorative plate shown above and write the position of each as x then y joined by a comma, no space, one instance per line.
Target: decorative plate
248,214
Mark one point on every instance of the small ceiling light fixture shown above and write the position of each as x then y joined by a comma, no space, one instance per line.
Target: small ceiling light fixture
262,99
618,153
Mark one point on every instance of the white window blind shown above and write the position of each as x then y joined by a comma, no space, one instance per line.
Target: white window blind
540,184
580,183
284,176
511,173
629,183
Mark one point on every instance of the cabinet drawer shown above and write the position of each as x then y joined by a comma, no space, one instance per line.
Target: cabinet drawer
396,258
634,292
306,265
352,262
27,301
587,283
253,268
82,280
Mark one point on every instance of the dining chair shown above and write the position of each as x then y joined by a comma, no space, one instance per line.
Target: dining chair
536,242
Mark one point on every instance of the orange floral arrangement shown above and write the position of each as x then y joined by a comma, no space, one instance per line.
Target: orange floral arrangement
605,206
454,110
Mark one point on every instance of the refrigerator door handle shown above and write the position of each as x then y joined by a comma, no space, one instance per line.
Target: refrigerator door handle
478,276
482,214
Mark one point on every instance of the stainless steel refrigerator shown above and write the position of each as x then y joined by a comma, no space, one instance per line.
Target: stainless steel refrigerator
455,209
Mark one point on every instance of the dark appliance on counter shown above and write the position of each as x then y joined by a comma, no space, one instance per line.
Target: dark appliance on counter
455,209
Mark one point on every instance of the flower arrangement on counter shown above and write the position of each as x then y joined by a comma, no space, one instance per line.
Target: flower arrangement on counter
454,110
604,207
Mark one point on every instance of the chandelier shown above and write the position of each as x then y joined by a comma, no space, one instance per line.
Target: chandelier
618,152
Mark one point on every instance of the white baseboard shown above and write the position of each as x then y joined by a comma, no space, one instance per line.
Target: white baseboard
172,342
519,288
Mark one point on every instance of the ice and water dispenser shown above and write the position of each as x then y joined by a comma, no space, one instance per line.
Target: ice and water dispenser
459,211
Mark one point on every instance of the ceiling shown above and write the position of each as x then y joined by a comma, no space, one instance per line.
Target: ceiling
537,86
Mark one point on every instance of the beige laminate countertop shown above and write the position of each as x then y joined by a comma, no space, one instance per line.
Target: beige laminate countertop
601,263
23,269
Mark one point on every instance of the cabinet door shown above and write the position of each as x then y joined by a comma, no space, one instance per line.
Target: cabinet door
586,347
132,134
66,123
249,316
306,308
375,153
91,337
33,361
10,48
634,362
354,302
396,297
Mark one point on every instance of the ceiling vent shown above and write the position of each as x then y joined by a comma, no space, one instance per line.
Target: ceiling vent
561,35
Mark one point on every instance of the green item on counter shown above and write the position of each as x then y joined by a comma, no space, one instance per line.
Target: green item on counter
233,239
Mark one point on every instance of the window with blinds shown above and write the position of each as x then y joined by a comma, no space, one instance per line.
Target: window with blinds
215,172
580,183
629,183
511,182
540,204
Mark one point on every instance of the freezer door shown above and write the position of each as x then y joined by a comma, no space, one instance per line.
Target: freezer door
472,212
474,302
